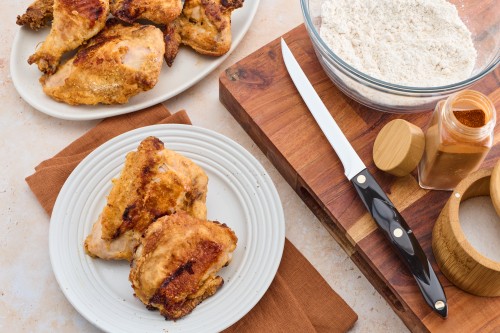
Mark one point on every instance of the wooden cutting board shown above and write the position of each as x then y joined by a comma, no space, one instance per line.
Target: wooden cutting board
261,96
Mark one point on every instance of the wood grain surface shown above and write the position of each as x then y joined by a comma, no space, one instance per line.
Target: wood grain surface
463,265
261,96
495,187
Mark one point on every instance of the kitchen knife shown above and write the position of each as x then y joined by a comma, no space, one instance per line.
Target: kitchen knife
376,201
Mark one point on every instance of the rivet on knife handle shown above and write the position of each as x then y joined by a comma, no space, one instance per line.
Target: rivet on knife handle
402,238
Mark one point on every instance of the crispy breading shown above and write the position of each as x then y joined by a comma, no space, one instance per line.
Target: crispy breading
175,267
173,40
38,15
154,182
118,63
157,11
204,25
75,21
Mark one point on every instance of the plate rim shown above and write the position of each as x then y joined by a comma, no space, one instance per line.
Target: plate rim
101,114
278,210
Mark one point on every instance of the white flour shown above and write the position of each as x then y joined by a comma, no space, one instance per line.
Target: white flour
420,43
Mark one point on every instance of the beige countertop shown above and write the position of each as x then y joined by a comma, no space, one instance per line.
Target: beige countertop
30,298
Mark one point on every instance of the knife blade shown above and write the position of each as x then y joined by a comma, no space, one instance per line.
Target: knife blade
383,211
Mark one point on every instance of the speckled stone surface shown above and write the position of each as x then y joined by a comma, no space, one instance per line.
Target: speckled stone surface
30,298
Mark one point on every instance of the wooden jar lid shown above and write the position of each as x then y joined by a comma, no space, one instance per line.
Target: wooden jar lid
495,187
398,147
459,261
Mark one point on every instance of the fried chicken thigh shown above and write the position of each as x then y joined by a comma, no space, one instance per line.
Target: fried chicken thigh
38,14
157,11
118,63
75,21
204,25
175,266
154,182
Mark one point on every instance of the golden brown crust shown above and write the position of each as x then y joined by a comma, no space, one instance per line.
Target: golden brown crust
118,63
171,296
173,40
38,15
175,267
204,25
154,182
157,11
75,21
89,10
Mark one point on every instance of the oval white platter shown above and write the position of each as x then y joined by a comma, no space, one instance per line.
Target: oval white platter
240,194
189,67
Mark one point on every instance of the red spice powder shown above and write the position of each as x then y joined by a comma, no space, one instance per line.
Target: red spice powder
471,118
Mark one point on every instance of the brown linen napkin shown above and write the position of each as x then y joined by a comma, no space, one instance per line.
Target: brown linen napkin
298,301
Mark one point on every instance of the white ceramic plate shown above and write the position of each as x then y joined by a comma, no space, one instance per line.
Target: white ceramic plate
240,194
188,68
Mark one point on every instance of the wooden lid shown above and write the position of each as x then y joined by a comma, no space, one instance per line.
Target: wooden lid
398,147
495,187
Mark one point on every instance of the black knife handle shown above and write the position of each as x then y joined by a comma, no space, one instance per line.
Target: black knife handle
402,238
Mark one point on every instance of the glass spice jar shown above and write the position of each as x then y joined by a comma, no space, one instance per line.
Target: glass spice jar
457,140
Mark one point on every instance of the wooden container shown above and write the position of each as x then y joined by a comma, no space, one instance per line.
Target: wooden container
495,188
461,263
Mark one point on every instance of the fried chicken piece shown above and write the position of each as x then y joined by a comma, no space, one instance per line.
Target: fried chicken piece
173,40
157,11
38,15
118,63
154,182
204,25
175,266
75,21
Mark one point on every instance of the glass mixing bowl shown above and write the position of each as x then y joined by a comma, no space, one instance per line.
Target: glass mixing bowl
482,18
